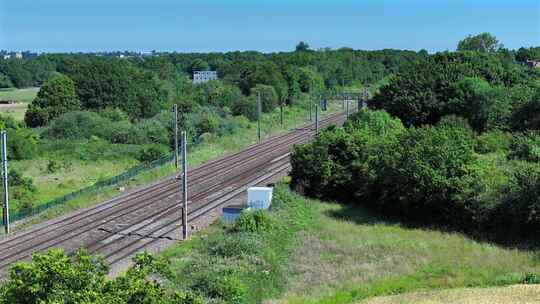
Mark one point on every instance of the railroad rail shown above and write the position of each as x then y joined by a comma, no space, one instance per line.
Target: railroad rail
150,217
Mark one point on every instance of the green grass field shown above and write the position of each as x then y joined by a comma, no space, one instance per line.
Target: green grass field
22,97
19,95
352,254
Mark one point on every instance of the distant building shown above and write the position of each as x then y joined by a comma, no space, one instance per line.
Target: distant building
18,55
7,56
204,76
533,63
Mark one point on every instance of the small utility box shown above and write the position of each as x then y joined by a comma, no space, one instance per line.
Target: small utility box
232,213
259,197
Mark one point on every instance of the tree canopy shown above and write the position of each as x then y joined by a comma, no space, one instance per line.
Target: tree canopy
56,97
483,42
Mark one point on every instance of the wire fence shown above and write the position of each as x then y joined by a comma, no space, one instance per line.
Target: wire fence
115,180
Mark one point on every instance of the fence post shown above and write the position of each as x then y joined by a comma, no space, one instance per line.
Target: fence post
347,102
185,223
5,181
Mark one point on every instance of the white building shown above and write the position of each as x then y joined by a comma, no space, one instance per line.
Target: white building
204,76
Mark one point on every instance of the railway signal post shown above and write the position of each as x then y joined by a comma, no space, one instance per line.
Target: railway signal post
5,181
185,232
175,128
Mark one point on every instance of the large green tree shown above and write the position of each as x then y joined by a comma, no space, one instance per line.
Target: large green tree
56,97
483,42
104,83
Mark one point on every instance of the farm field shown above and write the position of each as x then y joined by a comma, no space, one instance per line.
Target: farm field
516,294
19,95
22,97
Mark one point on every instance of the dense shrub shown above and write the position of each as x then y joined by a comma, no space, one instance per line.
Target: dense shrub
426,175
246,107
254,221
22,144
431,174
519,213
16,179
493,142
54,277
346,162
22,191
525,146
152,152
527,116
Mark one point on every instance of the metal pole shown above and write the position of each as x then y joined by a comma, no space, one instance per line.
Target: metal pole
5,181
175,125
259,110
310,111
347,102
317,119
281,115
185,234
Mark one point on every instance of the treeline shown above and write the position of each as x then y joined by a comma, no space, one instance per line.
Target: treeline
143,86
460,148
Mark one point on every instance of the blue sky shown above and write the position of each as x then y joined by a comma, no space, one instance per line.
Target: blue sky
264,25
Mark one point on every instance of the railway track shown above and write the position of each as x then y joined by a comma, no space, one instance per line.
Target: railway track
119,228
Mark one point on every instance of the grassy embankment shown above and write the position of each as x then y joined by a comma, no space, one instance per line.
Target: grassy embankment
22,97
331,253
82,173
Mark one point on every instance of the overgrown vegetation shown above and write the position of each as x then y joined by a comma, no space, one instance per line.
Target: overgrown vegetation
461,150
54,277
245,262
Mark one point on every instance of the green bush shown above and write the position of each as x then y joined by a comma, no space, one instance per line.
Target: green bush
519,212
493,142
22,144
16,179
254,221
54,277
152,152
345,163
428,172
531,278
525,146
208,123
246,107
234,245
226,288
